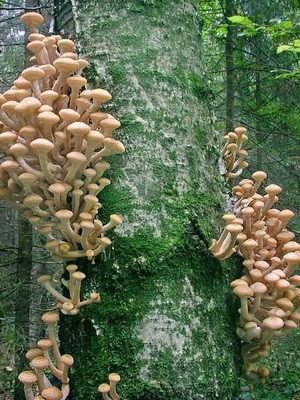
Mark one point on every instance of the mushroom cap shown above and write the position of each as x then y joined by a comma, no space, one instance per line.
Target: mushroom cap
33,74
240,130
111,123
273,189
69,115
285,215
258,288
66,65
78,128
78,276
50,317
48,118
66,44
76,157
103,388
285,304
243,291
82,63
114,377
35,46
33,352
45,344
29,104
67,359
101,95
57,188
273,323
32,19
95,297
52,393
259,176
263,372
292,258
64,215
116,219
27,377
39,362
291,247
48,96
32,200
71,268
76,81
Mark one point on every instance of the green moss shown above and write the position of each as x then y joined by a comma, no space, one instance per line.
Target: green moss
117,73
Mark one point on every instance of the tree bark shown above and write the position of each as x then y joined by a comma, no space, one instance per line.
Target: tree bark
165,322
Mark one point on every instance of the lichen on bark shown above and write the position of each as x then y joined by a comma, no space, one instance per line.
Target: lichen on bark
165,320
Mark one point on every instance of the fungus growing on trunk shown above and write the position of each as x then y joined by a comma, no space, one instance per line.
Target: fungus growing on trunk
268,291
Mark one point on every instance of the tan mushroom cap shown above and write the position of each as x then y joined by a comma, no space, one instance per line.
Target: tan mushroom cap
52,393
273,189
66,65
259,176
103,388
39,362
27,377
114,377
33,74
67,359
32,18
42,144
50,317
45,344
33,352
243,291
273,323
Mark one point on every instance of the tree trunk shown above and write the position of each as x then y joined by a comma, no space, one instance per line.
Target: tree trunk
165,322
230,75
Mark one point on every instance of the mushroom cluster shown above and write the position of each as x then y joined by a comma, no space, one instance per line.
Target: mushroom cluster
108,391
54,140
46,361
233,154
269,290
72,305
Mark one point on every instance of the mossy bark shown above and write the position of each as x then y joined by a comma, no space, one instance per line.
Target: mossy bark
165,322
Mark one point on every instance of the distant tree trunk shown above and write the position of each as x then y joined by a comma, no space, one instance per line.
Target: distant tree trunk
229,62
166,320
23,277
23,300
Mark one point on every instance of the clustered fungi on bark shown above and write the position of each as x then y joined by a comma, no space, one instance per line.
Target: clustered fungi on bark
54,140
269,290
46,359
233,154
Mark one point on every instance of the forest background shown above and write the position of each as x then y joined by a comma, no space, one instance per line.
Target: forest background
252,79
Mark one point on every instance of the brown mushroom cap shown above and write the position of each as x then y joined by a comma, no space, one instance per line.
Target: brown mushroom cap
39,362
32,19
273,323
50,317
103,388
27,377
52,393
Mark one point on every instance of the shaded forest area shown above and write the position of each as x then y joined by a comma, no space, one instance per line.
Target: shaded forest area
251,81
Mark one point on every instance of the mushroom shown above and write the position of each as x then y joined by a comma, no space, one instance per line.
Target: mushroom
52,393
28,378
104,389
32,21
39,364
244,292
51,318
114,378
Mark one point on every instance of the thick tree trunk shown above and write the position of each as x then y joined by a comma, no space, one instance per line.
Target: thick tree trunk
165,321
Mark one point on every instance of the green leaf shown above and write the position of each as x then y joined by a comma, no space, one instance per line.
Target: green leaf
283,47
296,43
239,19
